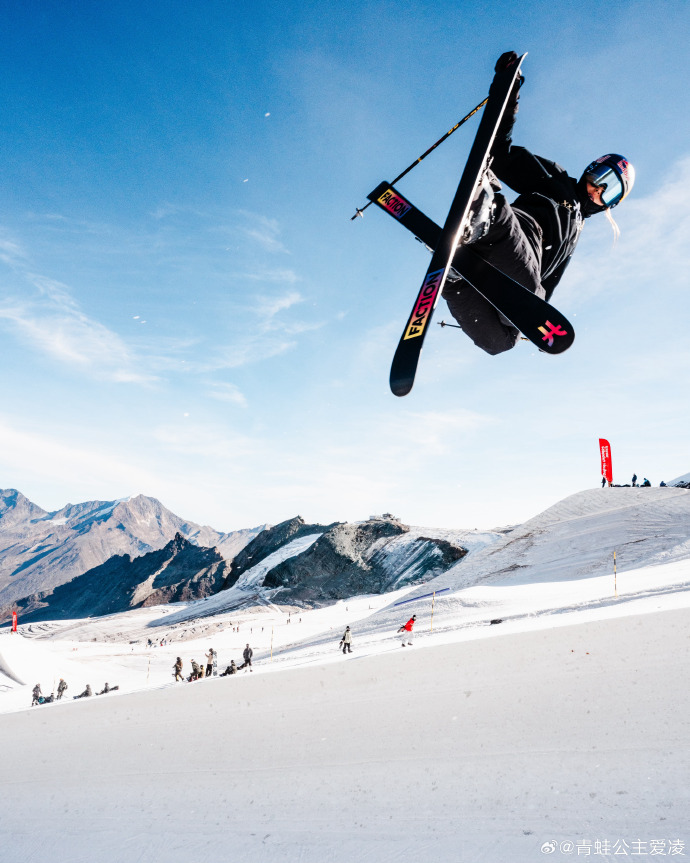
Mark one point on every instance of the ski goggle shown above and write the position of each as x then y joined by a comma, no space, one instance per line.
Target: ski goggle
602,175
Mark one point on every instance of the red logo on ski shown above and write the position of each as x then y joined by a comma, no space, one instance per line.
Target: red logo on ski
554,330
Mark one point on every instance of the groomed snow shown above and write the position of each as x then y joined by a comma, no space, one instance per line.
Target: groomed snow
567,720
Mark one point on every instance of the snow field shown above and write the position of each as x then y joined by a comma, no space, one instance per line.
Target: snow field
567,722
482,750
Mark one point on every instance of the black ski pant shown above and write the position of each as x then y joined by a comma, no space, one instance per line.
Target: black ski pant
513,245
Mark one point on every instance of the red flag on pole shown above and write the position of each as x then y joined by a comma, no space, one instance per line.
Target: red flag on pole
605,450
14,621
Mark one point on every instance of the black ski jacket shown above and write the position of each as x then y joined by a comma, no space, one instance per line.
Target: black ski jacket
546,193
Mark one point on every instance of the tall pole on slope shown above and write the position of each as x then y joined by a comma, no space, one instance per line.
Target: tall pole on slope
615,576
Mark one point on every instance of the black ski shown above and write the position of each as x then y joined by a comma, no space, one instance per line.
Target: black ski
404,366
536,319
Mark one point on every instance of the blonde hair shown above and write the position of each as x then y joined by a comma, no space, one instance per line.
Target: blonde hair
614,226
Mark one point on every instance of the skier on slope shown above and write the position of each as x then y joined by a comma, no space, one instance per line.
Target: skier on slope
533,239
407,627
346,641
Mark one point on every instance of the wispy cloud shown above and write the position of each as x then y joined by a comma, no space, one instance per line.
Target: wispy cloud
49,317
263,230
10,251
268,307
53,323
287,277
27,453
213,442
225,392
250,350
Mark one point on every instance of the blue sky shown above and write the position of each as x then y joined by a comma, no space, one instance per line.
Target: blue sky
187,311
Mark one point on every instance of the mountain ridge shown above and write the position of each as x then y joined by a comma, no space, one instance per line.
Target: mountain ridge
40,550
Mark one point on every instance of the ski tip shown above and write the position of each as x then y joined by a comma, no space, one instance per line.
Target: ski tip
401,387
554,338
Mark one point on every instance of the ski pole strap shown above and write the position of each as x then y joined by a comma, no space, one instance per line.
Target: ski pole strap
407,170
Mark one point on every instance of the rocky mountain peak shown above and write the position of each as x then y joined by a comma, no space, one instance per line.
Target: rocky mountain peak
268,541
40,550
16,508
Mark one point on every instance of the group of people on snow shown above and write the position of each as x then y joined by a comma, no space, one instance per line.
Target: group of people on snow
644,484
39,698
198,671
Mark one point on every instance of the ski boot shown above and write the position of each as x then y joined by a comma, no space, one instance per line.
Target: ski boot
482,209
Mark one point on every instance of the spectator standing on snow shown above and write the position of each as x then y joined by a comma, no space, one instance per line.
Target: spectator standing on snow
209,662
634,480
177,668
247,654
36,694
407,627
346,641
62,686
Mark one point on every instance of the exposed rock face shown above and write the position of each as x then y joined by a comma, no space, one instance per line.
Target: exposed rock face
178,572
44,557
40,550
268,541
354,559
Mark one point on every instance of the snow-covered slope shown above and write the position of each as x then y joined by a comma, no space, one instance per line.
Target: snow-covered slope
542,708
496,749
576,538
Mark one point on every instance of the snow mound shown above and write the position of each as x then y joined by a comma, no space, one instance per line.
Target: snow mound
577,537
23,662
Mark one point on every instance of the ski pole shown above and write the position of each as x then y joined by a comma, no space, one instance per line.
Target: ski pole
424,155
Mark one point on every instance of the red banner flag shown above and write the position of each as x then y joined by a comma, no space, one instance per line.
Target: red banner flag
14,621
605,450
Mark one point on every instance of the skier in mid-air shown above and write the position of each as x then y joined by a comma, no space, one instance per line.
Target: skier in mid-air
532,239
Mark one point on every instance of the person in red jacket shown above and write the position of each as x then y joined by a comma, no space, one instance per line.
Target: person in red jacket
408,628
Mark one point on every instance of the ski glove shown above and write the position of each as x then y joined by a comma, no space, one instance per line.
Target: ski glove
505,60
